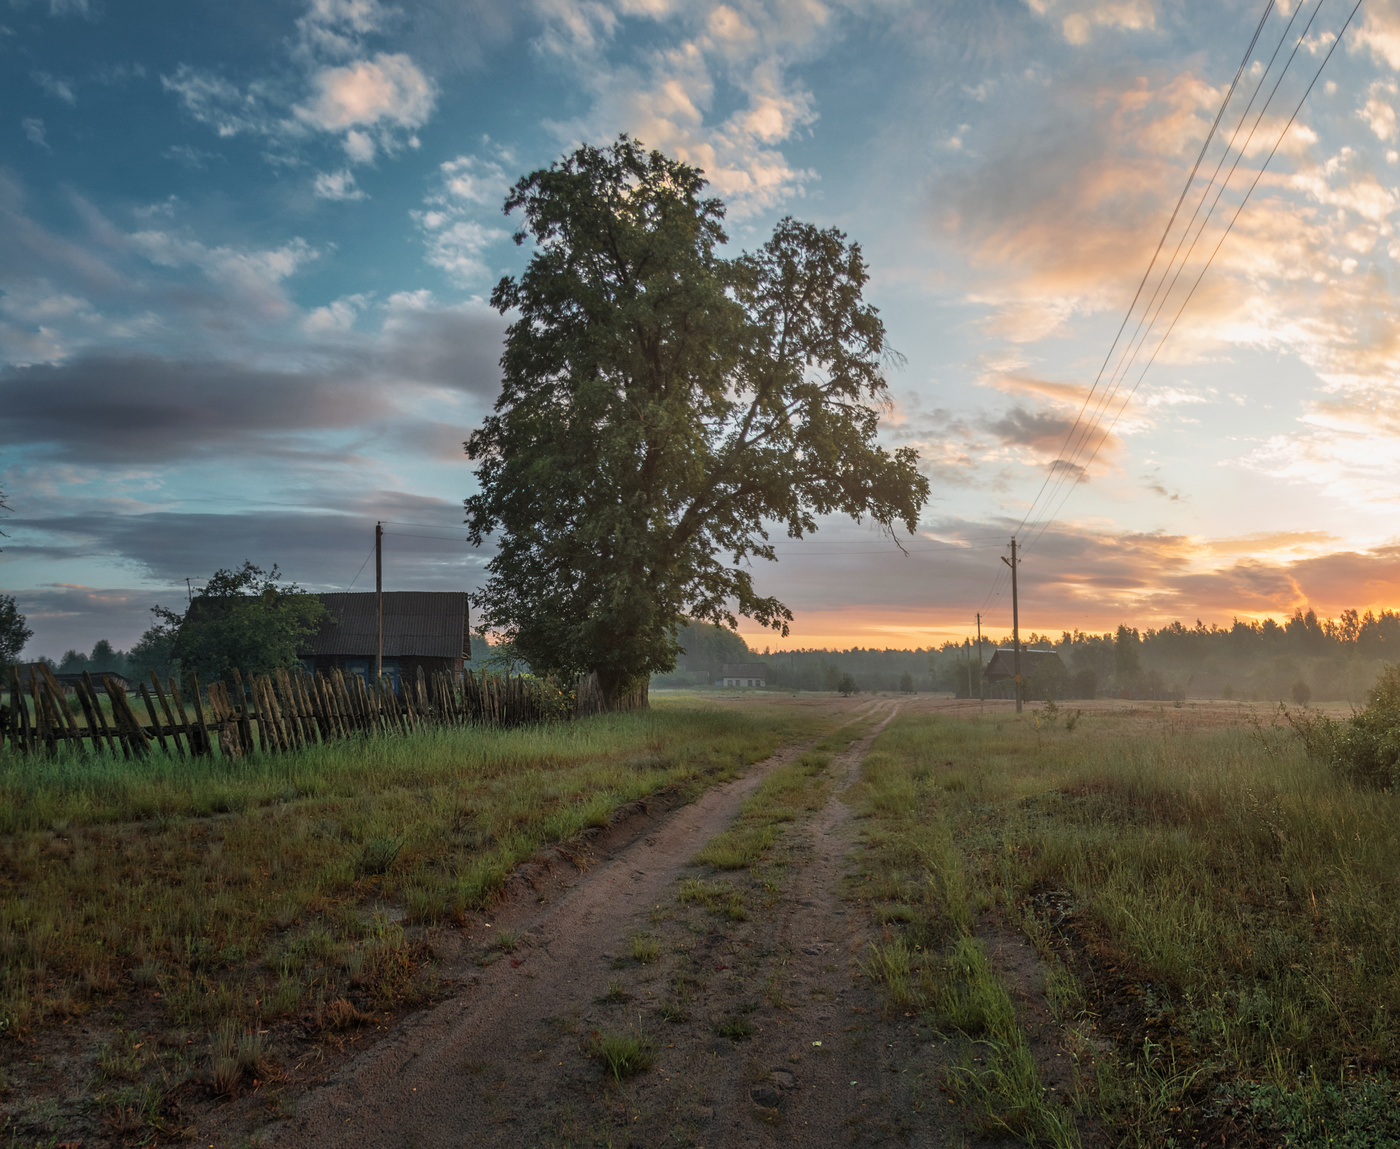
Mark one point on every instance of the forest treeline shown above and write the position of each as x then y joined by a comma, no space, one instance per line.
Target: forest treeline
1303,659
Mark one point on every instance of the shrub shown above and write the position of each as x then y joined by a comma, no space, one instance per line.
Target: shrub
1302,693
1365,749
847,685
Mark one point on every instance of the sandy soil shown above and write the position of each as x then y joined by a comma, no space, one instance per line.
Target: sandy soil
505,1062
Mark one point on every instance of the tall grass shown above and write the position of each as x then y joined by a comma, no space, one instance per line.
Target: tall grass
1248,892
203,880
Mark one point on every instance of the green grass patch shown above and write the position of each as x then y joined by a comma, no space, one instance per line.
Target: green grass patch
200,874
1239,896
622,1054
779,798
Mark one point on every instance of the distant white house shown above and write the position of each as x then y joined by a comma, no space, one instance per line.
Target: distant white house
743,674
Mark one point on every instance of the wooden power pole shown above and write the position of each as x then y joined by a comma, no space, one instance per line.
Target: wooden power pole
981,682
379,598
1015,625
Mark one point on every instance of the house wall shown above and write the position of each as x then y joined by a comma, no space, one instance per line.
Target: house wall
403,667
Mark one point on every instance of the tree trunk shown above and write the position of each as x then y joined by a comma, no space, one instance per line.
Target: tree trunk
599,693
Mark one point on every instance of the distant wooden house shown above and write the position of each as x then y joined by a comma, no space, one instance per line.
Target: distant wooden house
67,679
1036,663
427,630
743,674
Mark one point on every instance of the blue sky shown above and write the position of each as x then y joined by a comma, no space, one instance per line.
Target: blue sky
245,248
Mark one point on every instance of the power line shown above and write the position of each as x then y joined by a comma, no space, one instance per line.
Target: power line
1165,232
1106,402
361,571
1129,358
1230,227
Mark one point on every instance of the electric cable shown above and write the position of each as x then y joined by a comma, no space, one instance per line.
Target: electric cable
1268,8
1127,361
1070,468
361,571
1224,235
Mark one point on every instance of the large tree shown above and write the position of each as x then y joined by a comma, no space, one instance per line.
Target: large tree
662,407
245,619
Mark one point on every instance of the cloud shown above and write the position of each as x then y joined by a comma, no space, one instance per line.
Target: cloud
59,89
1379,32
337,28
382,94
34,132
406,376
1378,112
190,157
140,408
1079,19
455,241
253,276
708,55
337,186
1074,576
222,105
372,102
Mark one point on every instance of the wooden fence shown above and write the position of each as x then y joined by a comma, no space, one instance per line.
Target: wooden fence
271,714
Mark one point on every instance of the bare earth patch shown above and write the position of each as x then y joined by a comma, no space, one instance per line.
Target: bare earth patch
648,1000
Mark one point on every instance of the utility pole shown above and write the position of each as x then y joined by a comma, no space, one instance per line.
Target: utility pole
981,682
379,596
1015,624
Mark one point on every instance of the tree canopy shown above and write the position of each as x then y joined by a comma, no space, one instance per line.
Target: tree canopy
14,631
662,407
245,619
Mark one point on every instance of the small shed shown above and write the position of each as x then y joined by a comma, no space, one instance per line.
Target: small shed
743,674
423,629
1041,663
68,679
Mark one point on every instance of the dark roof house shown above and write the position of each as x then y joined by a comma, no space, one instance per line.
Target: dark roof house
743,674
427,629
1003,664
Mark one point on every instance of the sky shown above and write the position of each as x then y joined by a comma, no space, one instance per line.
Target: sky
246,249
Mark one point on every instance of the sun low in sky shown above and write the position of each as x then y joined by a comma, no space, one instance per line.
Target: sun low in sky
245,251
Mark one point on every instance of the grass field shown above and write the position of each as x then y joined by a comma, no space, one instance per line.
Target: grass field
1217,918
223,894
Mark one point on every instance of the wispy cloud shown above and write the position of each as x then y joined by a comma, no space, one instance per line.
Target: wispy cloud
374,102
456,241
33,129
711,53
55,86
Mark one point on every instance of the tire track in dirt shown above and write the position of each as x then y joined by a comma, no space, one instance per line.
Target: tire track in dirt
488,1065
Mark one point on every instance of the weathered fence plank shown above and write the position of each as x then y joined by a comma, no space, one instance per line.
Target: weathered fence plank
265,713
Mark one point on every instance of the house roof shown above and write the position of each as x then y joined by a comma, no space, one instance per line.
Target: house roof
1003,663
744,670
417,623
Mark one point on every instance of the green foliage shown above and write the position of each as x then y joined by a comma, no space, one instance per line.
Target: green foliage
622,1054
661,406
244,619
1365,749
14,633
847,685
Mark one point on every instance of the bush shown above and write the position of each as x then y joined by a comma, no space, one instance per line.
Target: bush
1302,693
1366,748
847,685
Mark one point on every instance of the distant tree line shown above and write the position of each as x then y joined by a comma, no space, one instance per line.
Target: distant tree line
1303,659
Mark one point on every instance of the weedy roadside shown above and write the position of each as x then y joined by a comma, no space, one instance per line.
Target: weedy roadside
1214,918
224,920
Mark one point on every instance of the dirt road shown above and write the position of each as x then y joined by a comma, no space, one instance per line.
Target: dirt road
764,1030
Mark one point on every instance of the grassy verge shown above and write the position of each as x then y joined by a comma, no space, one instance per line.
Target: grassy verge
237,893
1218,916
